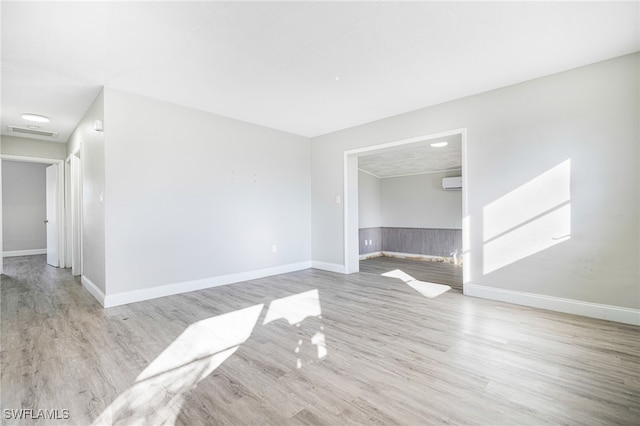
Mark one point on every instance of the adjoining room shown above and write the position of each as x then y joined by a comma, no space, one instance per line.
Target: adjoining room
31,203
410,210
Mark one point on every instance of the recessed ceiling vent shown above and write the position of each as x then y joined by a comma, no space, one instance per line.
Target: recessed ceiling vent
48,133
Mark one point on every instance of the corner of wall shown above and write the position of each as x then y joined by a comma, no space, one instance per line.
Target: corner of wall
91,145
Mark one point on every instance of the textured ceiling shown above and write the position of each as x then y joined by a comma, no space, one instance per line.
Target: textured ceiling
418,159
307,68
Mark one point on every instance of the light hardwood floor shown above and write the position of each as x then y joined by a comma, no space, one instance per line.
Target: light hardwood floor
360,349
423,270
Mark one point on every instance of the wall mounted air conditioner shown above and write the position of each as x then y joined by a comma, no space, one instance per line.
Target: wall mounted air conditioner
452,183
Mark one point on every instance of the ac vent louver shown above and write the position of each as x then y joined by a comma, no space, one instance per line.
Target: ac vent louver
48,133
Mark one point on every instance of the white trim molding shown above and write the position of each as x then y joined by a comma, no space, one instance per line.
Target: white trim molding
124,298
93,289
424,257
558,304
27,159
31,252
371,255
330,267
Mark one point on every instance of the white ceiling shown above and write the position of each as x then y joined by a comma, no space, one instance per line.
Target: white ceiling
418,158
307,68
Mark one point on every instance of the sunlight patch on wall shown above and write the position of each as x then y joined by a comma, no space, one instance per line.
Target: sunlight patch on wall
529,219
466,246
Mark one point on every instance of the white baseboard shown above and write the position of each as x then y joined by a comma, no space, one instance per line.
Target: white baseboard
417,256
371,255
569,306
14,253
334,267
124,298
93,289
325,266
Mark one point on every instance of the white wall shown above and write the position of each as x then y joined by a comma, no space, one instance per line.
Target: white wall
24,206
589,116
194,196
369,207
26,147
92,145
419,201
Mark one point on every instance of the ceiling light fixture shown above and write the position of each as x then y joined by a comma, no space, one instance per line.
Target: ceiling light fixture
36,117
439,144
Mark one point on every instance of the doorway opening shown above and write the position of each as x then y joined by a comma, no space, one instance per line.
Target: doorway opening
412,153
27,227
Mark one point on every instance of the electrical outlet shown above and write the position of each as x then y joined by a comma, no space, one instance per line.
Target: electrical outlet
366,243
274,249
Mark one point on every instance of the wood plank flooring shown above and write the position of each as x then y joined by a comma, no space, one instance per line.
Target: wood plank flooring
361,349
422,270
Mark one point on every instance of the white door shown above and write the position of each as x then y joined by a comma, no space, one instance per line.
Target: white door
52,215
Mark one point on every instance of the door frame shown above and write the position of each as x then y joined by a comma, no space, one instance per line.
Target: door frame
60,198
73,217
351,246
67,215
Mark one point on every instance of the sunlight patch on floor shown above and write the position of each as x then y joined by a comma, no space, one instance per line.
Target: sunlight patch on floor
294,308
427,289
158,393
